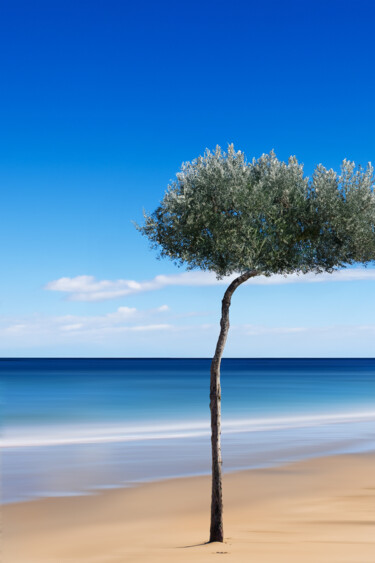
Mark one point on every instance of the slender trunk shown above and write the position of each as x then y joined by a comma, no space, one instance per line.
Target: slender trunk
216,531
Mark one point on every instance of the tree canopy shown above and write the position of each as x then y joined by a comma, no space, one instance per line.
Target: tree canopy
227,215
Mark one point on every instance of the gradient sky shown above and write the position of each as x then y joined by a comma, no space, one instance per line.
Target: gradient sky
100,104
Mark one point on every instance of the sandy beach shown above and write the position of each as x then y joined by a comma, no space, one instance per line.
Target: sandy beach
320,510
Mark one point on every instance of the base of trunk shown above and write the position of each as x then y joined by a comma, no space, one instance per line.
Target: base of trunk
217,537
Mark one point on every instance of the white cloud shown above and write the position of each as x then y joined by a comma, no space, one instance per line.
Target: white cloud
76,326
15,328
252,330
122,320
87,288
151,327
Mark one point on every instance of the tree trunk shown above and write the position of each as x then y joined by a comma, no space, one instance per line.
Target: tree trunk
216,531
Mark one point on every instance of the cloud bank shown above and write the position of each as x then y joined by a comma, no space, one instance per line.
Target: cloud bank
128,332
124,319
87,288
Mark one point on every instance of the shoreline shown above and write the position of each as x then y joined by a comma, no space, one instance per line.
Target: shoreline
133,456
320,509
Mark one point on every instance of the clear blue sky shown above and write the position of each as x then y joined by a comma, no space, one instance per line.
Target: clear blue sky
100,104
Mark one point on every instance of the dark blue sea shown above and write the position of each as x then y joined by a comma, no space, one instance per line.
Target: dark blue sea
75,426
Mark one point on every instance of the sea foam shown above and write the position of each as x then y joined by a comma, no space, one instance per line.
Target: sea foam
39,436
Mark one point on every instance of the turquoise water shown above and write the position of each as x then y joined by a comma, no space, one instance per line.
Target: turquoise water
75,426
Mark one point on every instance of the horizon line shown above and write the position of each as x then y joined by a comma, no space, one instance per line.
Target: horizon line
183,358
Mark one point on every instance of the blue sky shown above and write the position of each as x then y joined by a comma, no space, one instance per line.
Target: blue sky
100,104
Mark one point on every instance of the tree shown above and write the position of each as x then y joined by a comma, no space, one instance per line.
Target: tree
265,217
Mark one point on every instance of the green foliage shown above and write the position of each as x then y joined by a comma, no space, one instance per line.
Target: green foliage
343,207
227,215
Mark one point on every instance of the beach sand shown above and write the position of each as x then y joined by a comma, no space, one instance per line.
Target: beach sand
320,510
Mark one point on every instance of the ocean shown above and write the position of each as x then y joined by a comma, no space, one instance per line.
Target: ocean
76,426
